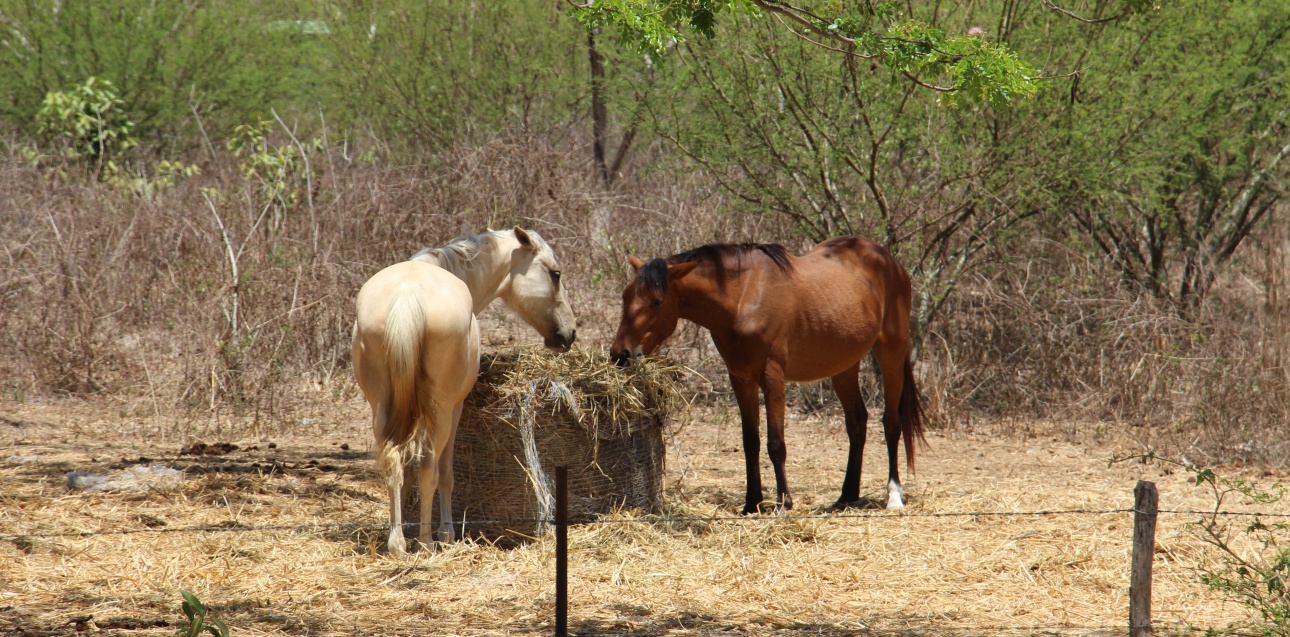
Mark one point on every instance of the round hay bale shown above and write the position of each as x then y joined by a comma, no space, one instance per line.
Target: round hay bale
532,411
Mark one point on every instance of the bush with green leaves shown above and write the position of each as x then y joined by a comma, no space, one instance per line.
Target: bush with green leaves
86,125
278,168
85,121
427,74
1253,564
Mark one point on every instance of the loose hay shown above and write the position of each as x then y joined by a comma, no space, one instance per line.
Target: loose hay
638,574
532,411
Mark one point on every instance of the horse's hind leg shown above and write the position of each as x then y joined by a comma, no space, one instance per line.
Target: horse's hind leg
447,481
390,464
847,387
429,480
434,476
891,361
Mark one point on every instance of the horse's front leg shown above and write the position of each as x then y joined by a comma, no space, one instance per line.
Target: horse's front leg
773,388
746,397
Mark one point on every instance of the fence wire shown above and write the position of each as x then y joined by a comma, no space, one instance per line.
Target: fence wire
743,519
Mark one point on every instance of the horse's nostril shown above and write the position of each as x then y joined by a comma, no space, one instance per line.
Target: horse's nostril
573,335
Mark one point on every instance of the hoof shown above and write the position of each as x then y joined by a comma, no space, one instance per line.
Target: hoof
396,545
895,495
785,503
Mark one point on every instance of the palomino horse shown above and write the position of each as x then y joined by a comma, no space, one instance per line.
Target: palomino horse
775,318
416,351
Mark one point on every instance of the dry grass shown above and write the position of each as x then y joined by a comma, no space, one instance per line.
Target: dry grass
109,294
643,575
606,396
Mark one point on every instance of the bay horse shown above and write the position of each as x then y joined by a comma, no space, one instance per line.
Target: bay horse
416,352
775,318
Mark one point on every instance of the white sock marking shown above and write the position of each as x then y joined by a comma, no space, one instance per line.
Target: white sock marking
895,496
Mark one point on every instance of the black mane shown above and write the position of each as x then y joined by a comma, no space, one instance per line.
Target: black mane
653,275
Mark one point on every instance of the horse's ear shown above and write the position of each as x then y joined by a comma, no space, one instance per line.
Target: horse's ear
524,238
635,262
681,269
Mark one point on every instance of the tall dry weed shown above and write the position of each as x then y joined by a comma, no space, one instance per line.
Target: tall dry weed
185,302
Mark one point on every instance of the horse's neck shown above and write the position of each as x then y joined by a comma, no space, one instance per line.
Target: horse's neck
707,304
487,279
486,275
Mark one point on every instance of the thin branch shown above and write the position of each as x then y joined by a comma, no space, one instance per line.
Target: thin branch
232,262
825,46
309,182
941,89
1128,8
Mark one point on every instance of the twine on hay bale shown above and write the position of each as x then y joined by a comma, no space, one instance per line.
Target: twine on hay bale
532,410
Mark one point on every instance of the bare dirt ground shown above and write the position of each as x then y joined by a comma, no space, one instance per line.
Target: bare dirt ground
888,573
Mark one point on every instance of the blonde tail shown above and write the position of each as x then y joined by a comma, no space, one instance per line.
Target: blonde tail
404,337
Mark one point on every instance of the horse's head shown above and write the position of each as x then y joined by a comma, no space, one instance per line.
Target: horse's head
650,308
536,293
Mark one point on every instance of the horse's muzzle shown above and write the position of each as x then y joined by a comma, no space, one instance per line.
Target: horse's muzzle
561,342
622,358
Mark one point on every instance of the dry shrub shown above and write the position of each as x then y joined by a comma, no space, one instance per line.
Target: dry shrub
1050,338
133,298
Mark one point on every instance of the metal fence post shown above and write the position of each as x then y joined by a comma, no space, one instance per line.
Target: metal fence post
561,551
1145,503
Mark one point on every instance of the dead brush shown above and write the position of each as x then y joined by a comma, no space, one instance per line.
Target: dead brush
1051,341
136,298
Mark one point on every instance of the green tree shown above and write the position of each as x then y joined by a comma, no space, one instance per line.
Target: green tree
441,71
164,58
842,144
905,38
1169,148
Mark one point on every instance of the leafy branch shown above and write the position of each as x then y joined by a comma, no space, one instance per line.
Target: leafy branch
965,67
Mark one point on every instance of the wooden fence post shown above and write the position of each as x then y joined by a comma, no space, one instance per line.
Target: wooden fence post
561,551
1145,503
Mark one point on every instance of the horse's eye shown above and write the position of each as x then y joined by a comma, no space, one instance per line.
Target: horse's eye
555,276
657,302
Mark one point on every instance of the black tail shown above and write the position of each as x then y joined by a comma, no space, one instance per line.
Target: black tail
910,414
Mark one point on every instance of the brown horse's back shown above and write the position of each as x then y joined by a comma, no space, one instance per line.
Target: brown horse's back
845,296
